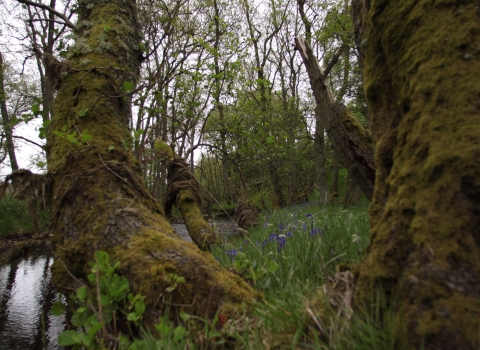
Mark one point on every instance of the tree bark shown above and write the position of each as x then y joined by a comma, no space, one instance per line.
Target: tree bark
183,192
421,71
349,139
7,126
99,200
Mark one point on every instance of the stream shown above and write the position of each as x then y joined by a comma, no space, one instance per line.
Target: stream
26,298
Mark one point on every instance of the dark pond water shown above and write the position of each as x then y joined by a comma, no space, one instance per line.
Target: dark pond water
26,297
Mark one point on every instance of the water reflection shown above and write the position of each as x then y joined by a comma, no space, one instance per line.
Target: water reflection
26,298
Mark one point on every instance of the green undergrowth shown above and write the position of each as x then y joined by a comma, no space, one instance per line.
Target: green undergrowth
287,257
15,218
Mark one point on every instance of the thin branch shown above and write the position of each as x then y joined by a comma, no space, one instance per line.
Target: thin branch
52,10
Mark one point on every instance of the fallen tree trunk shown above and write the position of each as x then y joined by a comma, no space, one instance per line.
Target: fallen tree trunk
351,142
99,201
182,191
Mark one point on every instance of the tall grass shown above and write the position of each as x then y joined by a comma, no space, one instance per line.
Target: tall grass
287,257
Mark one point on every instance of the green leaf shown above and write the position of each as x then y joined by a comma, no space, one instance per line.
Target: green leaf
59,134
128,86
83,113
86,136
105,300
63,54
272,266
140,307
82,293
93,330
179,333
36,109
132,316
58,308
70,337
184,316
111,148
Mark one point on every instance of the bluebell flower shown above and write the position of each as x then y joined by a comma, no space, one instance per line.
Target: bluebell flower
231,253
265,225
309,216
315,231
281,243
273,236
304,227
245,241
289,234
281,227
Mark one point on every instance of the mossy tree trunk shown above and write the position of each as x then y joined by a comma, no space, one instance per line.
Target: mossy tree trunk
99,200
421,71
351,142
7,126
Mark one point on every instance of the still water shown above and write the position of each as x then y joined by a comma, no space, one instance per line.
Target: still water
26,297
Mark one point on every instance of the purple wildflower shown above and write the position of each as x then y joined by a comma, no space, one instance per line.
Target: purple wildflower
231,253
309,216
273,236
281,227
289,234
265,225
315,231
281,243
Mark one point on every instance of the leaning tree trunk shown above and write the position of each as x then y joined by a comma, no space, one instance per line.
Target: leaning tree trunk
421,71
351,142
99,200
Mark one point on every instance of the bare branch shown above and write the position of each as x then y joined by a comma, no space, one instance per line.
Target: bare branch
52,10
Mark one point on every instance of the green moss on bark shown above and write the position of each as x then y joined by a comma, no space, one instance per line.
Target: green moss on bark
422,82
99,201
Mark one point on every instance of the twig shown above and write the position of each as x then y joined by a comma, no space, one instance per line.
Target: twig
114,173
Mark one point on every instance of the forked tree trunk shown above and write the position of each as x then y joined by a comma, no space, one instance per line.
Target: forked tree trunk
421,71
99,199
351,142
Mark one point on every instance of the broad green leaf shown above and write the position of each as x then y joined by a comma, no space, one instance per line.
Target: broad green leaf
86,137
111,148
272,266
140,307
59,134
132,316
128,86
69,337
179,333
58,308
105,300
94,329
82,293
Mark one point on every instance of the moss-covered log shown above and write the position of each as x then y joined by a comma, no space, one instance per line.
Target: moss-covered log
421,70
99,200
183,192
352,143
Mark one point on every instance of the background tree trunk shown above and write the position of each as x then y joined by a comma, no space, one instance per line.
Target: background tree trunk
7,126
421,70
98,199
351,142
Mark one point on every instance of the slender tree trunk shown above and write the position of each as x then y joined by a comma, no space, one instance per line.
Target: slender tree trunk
421,71
335,169
352,143
321,182
99,200
7,126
